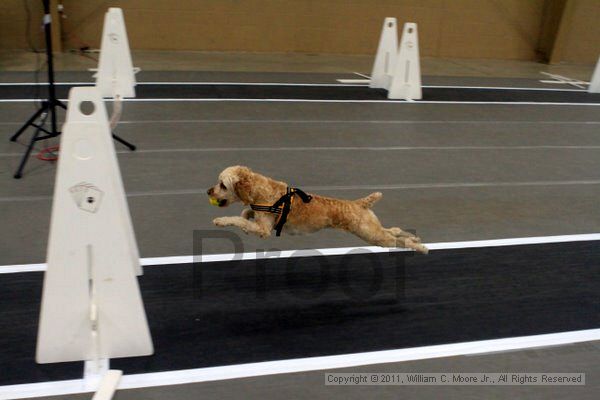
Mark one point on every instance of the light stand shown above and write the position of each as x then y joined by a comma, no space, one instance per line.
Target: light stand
49,106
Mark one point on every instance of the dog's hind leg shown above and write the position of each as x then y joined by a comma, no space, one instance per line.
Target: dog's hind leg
410,243
371,231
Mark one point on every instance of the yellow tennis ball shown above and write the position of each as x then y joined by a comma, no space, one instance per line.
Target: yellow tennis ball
213,201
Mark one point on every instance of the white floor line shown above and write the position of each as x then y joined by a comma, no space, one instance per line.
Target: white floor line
365,82
564,80
212,374
361,82
339,148
391,122
360,122
399,102
540,89
182,83
351,148
46,83
414,102
369,148
406,186
334,251
453,185
362,75
343,83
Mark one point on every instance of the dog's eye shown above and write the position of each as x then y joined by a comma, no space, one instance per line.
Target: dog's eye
223,186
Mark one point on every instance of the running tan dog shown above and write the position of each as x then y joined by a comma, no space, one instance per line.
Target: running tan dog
239,183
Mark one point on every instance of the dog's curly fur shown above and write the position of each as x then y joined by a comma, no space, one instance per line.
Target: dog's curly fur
239,183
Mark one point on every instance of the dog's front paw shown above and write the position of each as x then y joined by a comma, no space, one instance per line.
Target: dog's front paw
221,221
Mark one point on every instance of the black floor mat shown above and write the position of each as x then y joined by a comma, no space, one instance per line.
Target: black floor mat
223,313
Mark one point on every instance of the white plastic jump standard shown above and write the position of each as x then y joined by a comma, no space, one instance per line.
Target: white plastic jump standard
406,77
91,303
398,70
385,60
116,75
595,82
115,78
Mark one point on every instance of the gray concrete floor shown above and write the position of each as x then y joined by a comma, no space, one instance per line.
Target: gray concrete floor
537,166
20,60
535,169
310,385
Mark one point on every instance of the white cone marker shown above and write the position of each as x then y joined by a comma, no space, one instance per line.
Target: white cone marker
116,75
91,303
385,60
406,79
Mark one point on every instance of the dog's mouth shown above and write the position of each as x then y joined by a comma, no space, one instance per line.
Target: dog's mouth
217,202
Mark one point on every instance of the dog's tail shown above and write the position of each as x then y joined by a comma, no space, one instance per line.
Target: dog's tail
367,202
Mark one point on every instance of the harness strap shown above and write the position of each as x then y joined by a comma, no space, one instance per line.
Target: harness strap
282,206
270,209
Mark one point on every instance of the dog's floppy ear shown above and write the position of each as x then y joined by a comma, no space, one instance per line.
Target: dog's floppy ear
243,183
238,180
229,180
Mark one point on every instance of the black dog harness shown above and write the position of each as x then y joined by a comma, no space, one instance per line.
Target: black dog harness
282,206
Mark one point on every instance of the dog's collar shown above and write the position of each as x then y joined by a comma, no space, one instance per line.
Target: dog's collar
282,206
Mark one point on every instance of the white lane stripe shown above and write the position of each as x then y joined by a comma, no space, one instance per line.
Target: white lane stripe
237,100
362,75
406,186
540,89
452,185
199,84
366,122
212,374
400,122
348,187
12,269
365,101
365,82
46,83
349,84
340,148
334,251
361,82
368,148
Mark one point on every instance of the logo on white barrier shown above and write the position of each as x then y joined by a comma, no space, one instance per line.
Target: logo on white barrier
86,196
116,75
406,79
385,60
91,302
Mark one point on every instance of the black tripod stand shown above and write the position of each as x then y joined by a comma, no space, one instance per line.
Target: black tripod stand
48,107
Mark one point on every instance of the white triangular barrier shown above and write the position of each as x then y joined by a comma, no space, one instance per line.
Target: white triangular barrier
595,82
116,75
385,60
91,302
115,78
398,69
406,78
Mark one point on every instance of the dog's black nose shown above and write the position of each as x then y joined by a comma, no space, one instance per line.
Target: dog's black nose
209,191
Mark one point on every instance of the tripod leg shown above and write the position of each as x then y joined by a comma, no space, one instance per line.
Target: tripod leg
28,123
124,142
19,172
